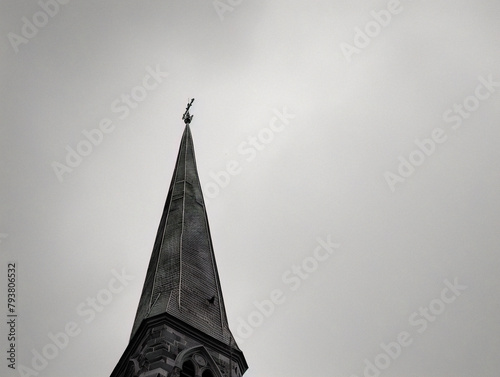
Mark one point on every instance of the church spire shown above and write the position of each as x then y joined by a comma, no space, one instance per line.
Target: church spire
181,328
182,277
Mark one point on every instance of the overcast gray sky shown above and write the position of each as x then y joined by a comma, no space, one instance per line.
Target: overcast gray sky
386,145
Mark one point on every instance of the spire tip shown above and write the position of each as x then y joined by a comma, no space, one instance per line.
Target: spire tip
188,117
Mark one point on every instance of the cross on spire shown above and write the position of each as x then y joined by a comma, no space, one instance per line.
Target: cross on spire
188,117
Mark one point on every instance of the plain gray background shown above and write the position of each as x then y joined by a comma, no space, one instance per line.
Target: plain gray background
323,174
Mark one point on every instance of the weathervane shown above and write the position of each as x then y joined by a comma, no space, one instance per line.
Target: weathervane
188,117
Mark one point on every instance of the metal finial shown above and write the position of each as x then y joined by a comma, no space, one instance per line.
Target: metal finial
188,117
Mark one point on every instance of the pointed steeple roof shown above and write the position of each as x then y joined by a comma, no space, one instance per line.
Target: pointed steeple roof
182,277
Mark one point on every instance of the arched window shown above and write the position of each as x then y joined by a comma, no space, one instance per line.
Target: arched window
187,369
207,373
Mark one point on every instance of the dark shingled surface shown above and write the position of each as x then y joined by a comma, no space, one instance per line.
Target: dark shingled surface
182,274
